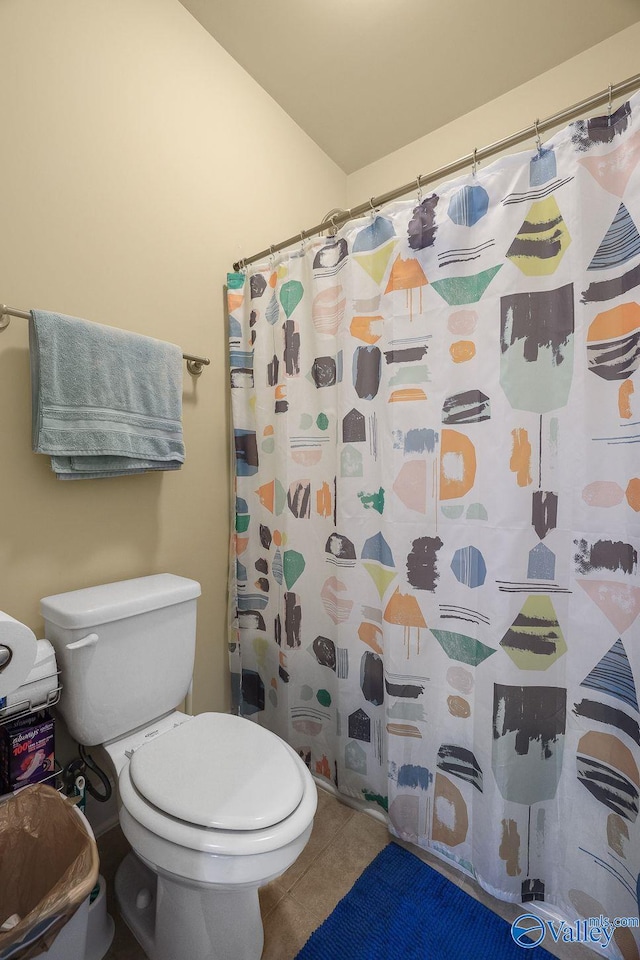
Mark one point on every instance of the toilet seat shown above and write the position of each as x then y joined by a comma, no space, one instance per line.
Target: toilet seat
173,807
219,771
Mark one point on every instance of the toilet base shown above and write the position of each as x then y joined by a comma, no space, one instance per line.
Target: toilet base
172,920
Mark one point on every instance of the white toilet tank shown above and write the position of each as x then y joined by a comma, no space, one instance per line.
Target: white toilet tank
125,651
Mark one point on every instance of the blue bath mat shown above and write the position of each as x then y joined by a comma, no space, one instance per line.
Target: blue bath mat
402,909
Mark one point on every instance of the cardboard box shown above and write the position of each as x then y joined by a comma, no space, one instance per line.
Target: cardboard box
27,751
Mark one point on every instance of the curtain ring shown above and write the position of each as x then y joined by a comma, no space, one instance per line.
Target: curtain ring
418,179
272,258
474,164
302,239
610,105
333,224
373,209
538,137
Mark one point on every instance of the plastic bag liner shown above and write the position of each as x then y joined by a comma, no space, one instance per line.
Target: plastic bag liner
48,867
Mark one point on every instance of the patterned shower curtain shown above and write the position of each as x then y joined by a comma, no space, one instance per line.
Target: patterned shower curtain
436,589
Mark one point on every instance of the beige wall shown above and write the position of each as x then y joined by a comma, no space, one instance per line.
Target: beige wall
137,161
574,80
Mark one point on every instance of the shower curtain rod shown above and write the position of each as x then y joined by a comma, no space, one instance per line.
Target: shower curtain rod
194,364
540,126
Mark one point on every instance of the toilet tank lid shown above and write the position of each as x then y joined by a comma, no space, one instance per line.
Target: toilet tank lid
115,601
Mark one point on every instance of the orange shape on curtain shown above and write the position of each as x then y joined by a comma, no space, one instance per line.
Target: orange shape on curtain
457,464
407,275
360,328
624,399
520,462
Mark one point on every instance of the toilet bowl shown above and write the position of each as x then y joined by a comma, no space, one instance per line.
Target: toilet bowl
214,807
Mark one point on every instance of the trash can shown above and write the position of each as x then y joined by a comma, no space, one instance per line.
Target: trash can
48,868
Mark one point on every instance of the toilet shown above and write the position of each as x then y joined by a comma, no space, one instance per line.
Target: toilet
214,806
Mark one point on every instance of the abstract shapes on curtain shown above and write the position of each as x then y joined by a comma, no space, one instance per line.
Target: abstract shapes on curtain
353,427
372,678
366,371
422,570
292,619
544,512
509,849
468,205
327,371
617,834
373,247
462,350
605,555
613,170
534,640
272,313
246,453
252,692
603,713
293,566
457,464
337,606
542,563
290,296
331,258
450,821
407,275
603,493
542,167
340,551
422,227
528,741
462,322
458,707
470,406
469,567
355,758
460,679
613,347
536,342
460,762
378,561
351,462
520,462
372,501
364,328
607,769
542,240
600,291
410,486
299,499
324,651
457,291
620,602
620,243
327,310
598,130
612,676
465,649
404,609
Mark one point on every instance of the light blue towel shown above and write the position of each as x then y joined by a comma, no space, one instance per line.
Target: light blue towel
105,403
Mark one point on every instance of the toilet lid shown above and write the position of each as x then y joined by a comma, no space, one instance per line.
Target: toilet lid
219,771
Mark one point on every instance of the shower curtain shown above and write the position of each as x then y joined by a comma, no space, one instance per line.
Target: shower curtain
435,585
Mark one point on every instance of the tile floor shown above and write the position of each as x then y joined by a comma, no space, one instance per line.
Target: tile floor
343,843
